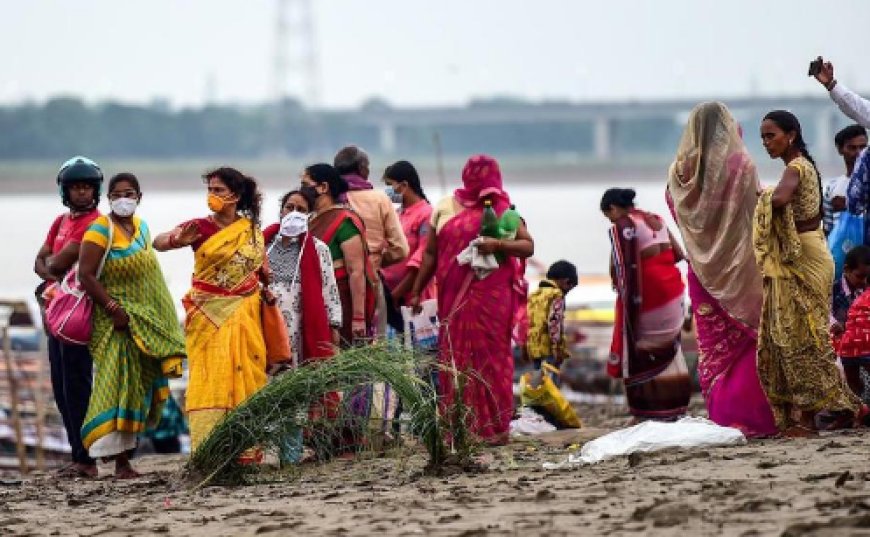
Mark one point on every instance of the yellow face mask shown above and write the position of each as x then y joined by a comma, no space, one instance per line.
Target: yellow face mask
216,203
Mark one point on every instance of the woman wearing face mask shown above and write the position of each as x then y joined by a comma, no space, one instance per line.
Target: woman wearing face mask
796,362
226,350
137,343
479,314
403,187
343,232
304,282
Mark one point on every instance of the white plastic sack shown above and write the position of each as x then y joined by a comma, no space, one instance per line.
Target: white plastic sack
530,423
652,436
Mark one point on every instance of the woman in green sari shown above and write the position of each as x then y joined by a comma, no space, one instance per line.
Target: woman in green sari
137,343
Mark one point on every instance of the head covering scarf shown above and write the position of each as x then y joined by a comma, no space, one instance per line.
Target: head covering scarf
714,186
481,179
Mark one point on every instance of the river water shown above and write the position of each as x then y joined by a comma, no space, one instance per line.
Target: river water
563,218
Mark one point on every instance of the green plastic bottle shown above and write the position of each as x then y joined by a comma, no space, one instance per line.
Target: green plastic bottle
510,223
489,224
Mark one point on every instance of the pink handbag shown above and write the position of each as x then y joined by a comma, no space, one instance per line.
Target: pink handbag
69,313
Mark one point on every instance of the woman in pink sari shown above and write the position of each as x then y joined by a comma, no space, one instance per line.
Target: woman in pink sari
476,313
713,188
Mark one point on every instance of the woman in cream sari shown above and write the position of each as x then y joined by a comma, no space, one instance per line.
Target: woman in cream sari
226,350
796,363
713,186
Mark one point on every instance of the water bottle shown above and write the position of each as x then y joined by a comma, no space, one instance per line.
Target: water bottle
489,221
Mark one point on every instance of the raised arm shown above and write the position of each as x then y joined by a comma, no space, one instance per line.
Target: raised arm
179,237
850,103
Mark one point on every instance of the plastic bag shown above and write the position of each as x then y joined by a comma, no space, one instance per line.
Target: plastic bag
548,397
421,330
652,436
530,422
848,233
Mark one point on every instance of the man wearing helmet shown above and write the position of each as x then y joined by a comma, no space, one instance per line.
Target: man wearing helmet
79,181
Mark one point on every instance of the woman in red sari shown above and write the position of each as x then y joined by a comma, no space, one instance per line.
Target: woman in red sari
476,314
645,352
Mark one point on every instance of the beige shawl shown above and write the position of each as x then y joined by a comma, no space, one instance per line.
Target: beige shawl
714,186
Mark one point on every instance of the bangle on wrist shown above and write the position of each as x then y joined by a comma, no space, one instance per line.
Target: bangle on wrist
172,243
830,85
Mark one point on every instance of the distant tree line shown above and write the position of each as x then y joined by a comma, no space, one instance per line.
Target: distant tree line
66,125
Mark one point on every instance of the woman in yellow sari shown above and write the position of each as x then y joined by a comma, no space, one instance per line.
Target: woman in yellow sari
796,363
225,346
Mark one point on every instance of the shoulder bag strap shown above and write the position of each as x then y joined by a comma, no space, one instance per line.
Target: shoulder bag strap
108,245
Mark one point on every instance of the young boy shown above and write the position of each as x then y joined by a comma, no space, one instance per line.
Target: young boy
850,312
546,312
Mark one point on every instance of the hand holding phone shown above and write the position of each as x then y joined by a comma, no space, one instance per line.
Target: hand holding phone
823,71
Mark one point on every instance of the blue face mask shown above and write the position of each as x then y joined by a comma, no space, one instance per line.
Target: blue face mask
394,196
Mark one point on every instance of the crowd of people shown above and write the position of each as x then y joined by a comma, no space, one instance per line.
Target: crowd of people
345,257
339,264
783,337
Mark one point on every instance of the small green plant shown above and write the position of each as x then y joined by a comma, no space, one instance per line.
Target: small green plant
279,410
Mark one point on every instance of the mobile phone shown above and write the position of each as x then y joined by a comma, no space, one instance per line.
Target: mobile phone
815,67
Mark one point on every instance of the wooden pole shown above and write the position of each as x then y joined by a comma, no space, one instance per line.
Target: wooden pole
13,400
39,401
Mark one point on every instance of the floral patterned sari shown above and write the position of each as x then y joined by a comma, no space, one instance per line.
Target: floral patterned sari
226,350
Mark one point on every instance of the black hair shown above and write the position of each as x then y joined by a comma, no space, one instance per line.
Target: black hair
857,256
788,122
620,197
563,269
250,198
301,193
126,177
404,172
324,173
349,160
847,133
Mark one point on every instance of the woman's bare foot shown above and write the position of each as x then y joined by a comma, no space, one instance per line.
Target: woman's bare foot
123,469
78,469
799,431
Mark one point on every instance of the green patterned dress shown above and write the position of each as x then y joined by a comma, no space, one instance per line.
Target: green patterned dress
131,366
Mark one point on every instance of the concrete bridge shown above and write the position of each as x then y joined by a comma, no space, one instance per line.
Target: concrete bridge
819,116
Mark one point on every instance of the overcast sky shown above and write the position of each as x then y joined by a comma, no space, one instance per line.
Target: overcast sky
414,52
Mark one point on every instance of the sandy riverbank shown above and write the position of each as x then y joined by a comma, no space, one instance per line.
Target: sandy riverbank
769,487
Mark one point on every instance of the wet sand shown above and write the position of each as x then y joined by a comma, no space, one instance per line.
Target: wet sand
792,488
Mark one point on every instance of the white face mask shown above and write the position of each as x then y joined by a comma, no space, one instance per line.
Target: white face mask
294,224
124,206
